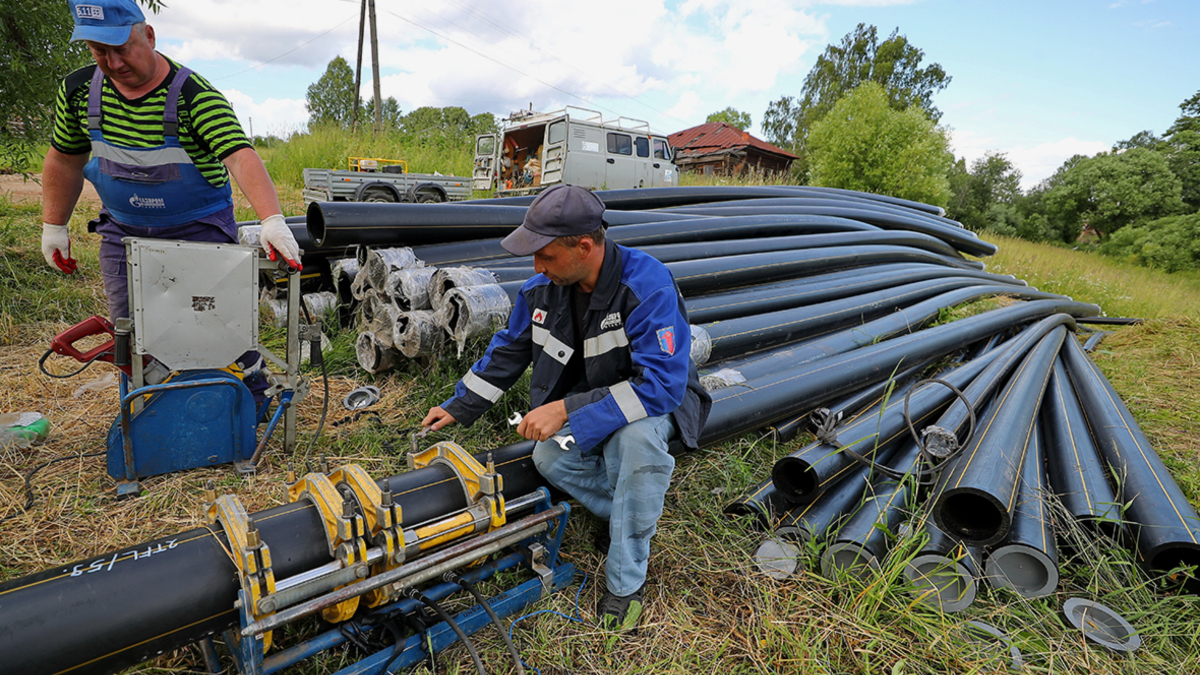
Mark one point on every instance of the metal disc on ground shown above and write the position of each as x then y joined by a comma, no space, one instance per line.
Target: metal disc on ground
942,582
777,558
361,398
984,632
1101,625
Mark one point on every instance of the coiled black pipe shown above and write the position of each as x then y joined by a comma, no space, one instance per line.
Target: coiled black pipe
1077,475
977,493
787,392
779,295
963,240
128,605
827,202
1165,527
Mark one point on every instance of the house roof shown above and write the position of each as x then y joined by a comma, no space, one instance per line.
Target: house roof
715,136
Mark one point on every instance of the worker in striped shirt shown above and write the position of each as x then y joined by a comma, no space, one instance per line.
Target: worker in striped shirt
158,142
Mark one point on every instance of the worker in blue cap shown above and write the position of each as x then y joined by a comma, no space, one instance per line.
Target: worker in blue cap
159,144
157,141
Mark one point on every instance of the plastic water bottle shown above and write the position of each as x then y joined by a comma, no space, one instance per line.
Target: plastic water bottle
22,429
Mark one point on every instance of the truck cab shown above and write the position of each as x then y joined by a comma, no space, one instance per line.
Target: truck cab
534,150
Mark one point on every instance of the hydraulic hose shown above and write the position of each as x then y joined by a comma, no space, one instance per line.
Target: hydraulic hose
1026,560
976,495
449,621
1076,473
454,577
1165,527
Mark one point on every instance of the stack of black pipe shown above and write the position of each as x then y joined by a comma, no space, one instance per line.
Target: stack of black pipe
803,300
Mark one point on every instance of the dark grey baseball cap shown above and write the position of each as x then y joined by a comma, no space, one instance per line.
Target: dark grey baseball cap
562,211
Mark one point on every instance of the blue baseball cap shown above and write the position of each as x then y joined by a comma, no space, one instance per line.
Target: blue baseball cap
104,21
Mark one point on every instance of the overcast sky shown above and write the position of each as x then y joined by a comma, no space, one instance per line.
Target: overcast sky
1037,80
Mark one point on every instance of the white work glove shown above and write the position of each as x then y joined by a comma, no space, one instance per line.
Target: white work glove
56,248
277,237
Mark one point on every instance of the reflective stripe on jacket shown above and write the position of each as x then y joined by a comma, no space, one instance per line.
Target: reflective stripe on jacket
636,356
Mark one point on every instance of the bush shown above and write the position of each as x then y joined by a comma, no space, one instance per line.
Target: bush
1169,244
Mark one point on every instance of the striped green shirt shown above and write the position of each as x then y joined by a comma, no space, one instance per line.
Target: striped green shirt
208,129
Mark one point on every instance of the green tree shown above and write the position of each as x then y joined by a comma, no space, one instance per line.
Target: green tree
732,117
1170,244
330,100
1183,150
390,113
894,64
992,180
1112,190
866,144
35,53
449,126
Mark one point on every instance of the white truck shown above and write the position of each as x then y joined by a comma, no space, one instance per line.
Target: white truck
373,179
535,150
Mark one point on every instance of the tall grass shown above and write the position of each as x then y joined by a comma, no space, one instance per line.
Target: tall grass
329,148
1121,289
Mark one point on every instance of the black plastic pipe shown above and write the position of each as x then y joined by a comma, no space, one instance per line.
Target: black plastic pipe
823,288
1026,560
867,536
825,201
945,572
1165,527
804,474
977,493
786,392
763,503
128,605
1076,473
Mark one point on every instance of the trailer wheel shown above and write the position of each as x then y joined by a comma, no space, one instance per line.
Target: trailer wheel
379,196
429,197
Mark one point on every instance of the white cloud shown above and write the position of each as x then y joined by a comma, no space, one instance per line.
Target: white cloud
275,117
688,105
1036,162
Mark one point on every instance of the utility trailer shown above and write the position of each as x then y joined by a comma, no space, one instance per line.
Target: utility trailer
382,180
535,150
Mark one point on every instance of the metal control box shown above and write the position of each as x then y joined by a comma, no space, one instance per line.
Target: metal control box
194,304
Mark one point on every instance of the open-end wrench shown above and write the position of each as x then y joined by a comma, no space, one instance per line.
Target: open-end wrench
561,440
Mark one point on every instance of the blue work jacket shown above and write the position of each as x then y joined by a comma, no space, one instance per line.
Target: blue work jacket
636,357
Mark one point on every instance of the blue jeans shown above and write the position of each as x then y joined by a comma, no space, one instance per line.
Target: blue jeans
624,482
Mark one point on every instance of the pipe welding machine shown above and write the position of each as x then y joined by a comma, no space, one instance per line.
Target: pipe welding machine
195,312
372,589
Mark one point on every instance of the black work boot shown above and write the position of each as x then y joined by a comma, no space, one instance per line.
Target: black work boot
621,614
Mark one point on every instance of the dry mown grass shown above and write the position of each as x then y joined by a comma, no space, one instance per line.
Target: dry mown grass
708,609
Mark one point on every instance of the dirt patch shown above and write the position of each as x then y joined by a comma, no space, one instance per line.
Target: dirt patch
23,190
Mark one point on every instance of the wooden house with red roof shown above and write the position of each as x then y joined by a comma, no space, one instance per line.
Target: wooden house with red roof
718,147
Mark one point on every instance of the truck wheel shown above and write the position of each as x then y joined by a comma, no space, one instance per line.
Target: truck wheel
378,195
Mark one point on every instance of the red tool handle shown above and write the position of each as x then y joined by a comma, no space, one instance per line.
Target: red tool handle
64,343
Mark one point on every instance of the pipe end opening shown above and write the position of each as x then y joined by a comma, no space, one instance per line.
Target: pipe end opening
1028,571
941,582
973,517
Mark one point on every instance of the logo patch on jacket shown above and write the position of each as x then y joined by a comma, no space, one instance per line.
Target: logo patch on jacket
611,321
666,340
539,316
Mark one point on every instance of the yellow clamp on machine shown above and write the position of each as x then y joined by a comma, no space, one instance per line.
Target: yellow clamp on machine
481,485
251,556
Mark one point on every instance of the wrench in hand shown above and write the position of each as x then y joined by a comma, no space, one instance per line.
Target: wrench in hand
561,440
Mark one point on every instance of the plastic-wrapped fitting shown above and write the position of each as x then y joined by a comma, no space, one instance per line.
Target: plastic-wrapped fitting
409,287
376,305
319,306
701,345
447,278
417,333
249,235
381,262
373,356
469,311
359,285
344,272
725,377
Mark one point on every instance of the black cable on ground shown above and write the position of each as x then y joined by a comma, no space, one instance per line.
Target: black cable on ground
470,588
29,478
86,364
449,620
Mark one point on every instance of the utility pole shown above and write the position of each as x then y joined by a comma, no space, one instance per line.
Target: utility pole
375,68
362,24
